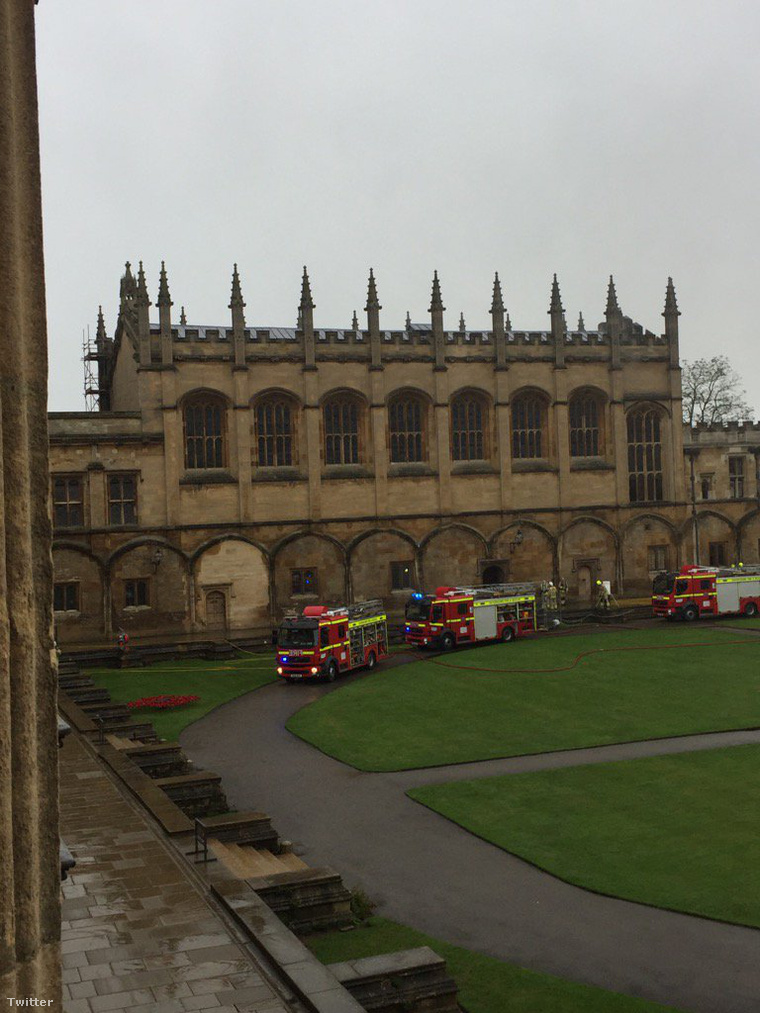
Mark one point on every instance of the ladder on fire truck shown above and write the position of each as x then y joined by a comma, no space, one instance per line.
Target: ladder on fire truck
481,591
739,571
358,609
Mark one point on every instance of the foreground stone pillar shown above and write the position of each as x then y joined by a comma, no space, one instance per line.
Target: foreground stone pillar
29,862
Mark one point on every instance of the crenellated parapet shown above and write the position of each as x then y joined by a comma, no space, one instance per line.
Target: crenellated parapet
727,434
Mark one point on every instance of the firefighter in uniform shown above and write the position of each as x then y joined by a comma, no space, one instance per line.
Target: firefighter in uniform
603,597
551,597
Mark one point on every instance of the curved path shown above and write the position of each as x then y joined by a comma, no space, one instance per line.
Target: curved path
431,874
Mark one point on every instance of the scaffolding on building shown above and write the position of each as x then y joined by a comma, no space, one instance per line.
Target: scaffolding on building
93,355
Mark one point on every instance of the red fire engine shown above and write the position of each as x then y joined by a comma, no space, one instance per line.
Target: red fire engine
468,615
696,591
323,641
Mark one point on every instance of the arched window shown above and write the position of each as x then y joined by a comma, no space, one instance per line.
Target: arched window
342,417
585,426
406,426
528,425
645,456
275,438
469,428
205,421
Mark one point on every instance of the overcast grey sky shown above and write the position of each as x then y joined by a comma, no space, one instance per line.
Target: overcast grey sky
529,137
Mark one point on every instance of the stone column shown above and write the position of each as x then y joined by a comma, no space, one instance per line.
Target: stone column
30,867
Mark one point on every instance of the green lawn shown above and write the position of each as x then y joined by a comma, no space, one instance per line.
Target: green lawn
674,831
487,702
486,985
214,682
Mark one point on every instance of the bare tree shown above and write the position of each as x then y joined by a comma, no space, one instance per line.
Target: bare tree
712,393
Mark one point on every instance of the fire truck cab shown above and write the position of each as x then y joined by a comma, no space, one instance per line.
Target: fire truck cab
323,642
696,591
468,615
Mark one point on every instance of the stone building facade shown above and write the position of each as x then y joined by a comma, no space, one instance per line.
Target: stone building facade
236,470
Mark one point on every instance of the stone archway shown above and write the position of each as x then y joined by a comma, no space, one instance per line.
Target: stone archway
240,571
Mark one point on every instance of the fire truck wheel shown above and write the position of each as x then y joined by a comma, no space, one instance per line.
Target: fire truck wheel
371,661
332,671
447,642
507,634
690,613
750,609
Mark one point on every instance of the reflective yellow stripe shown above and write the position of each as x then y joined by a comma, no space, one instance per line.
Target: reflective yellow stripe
506,601
356,623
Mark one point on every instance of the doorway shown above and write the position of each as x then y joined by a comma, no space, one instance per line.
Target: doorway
493,574
216,611
584,583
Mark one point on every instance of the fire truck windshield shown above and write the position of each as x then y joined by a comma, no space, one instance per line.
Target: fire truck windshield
418,609
297,636
663,583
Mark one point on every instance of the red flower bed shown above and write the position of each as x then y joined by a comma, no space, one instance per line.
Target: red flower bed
161,703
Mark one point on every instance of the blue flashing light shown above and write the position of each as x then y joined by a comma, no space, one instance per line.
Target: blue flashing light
417,594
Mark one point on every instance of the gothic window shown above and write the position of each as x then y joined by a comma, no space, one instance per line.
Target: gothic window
274,433
645,483
122,500
469,428
658,557
528,425
205,419
585,426
68,501
406,423
342,417
736,477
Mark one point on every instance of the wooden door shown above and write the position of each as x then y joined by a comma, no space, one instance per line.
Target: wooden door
584,583
216,611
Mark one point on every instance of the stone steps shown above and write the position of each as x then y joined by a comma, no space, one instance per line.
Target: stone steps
242,828
141,731
307,900
75,681
245,861
160,759
198,793
411,980
84,695
107,710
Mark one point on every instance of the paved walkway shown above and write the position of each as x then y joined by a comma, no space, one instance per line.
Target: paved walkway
137,933
431,874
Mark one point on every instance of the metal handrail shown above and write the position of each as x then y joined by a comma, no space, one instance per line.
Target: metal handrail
200,842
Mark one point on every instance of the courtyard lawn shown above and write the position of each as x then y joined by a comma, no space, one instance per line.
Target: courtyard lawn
486,985
215,682
673,831
541,694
